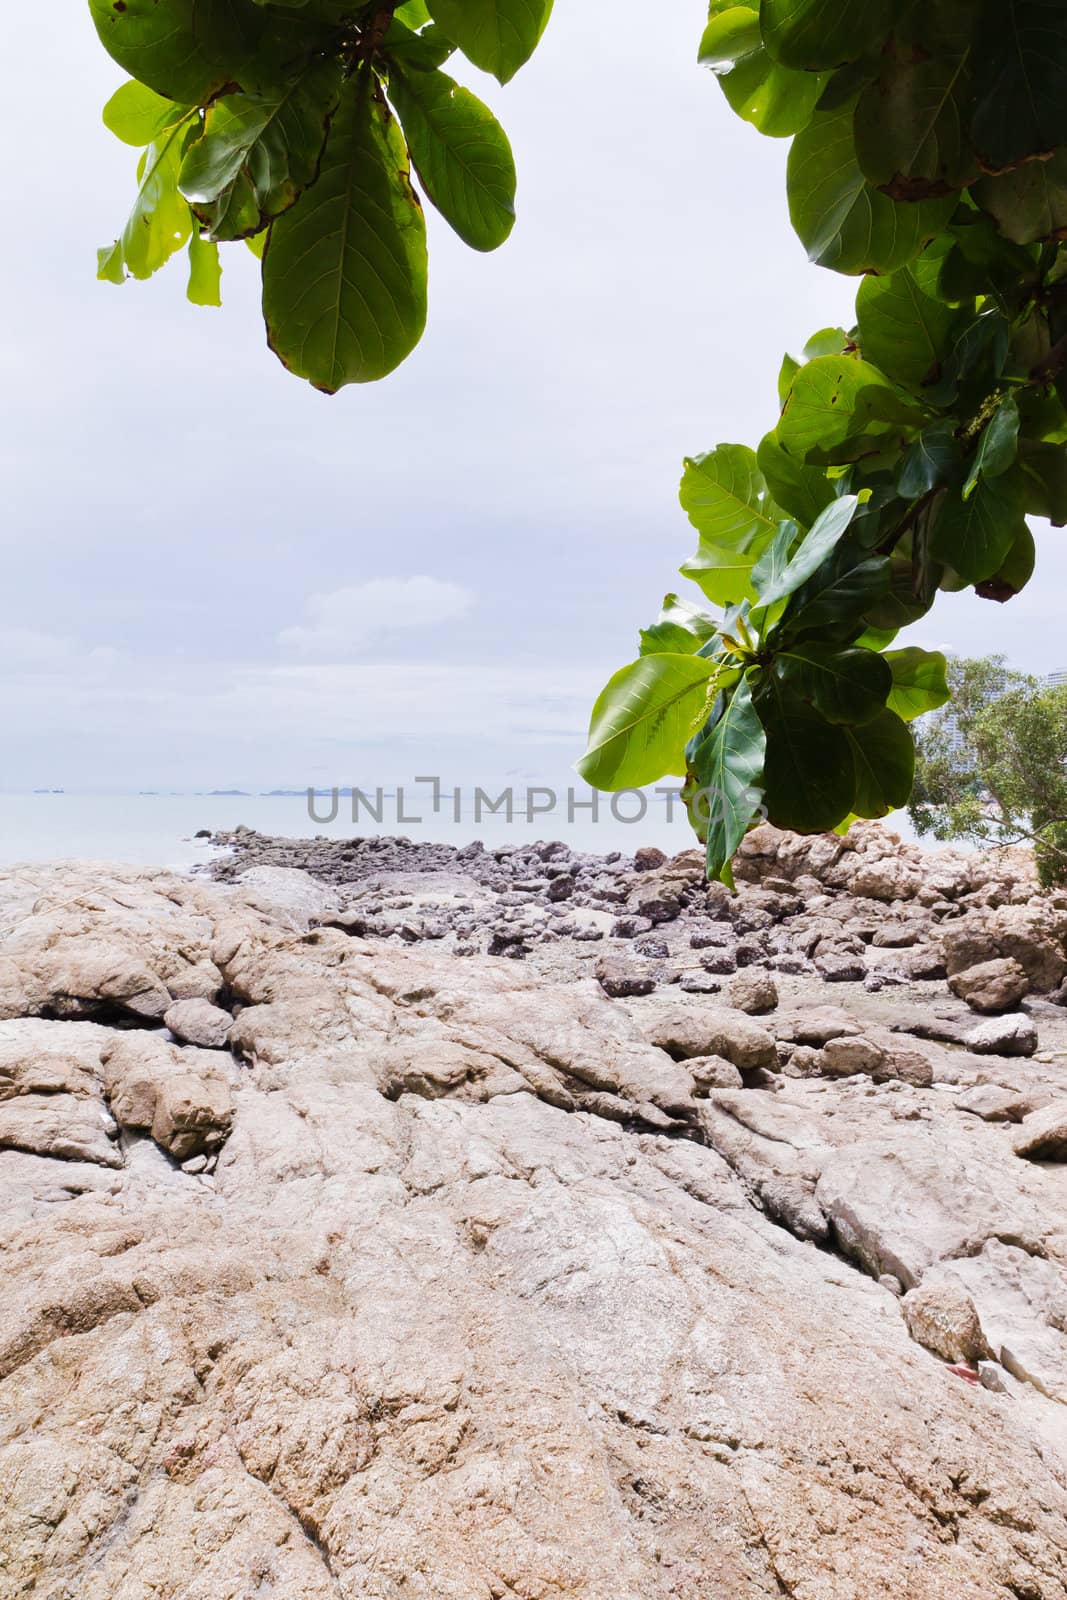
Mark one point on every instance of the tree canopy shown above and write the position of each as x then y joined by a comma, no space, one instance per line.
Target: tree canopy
992,768
928,159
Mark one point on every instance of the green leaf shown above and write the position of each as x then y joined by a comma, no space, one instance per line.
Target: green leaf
421,52
809,782
344,271
259,152
910,126
160,222
837,404
138,116
775,99
843,685
835,597
205,272
904,329
800,491
680,629
919,681
726,499
497,35
883,755
461,154
815,34
644,719
1020,80
1044,469
724,575
933,460
998,446
186,50
1030,203
842,221
827,531
727,767
974,536
413,13
1014,572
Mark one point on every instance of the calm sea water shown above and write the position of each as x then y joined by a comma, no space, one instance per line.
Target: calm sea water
158,830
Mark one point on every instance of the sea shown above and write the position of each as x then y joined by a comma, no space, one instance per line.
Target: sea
161,829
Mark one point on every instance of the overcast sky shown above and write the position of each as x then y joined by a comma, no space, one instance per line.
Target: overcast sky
216,577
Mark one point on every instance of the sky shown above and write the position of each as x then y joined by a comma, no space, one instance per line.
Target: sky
216,577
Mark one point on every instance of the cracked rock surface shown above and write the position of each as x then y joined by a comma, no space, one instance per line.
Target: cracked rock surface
456,1278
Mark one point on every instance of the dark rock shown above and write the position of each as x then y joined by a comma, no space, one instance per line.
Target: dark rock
630,927
620,981
648,858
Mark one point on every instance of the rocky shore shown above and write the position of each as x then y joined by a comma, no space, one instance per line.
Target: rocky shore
396,1221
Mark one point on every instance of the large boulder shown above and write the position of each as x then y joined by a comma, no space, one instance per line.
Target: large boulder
992,986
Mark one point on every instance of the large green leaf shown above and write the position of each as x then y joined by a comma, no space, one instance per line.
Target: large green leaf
160,222
497,35
933,460
883,756
843,685
809,780
835,597
835,406
344,272
644,719
726,499
975,536
138,116
461,154
800,491
1020,80
823,33
905,330
185,49
724,575
910,127
827,531
259,152
842,220
775,99
1030,203
726,768
919,681
205,272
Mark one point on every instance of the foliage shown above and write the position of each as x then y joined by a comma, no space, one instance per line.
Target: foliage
295,125
929,159
993,769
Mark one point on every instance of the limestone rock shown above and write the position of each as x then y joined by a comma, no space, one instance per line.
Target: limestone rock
753,990
1013,1035
1042,1136
942,1317
182,1097
702,1030
992,986
198,1022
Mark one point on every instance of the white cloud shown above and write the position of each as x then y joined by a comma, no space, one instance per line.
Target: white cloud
341,623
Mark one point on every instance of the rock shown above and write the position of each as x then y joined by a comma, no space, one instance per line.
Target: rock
652,949
561,889
1004,1036
1042,1135
992,986
894,1285
883,1060
619,980
198,1022
182,1097
699,983
923,963
657,909
713,1072
61,1125
754,991
993,1103
941,1316
816,1025
836,965
712,936
684,1031
193,1114
648,858
630,927
719,961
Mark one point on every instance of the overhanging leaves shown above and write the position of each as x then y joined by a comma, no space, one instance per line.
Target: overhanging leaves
726,499
726,769
344,272
461,154
644,719
497,35
185,49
